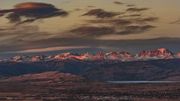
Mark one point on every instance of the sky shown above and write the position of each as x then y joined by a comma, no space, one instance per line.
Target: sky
47,25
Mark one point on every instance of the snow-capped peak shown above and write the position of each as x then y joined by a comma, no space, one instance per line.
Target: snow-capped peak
160,53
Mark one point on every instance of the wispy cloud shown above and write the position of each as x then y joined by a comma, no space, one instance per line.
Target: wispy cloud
113,23
91,31
100,13
53,44
135,9
118,3
176,21
48,49
135,29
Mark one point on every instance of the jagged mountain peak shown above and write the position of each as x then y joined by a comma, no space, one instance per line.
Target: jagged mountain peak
160,53
162,50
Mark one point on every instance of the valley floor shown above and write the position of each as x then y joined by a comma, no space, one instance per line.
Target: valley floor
48,89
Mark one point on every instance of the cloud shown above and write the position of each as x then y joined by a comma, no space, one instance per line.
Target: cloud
1,14
77,9
118,3
48,49
21,34
134,15
125,45
100,13
90,6
32,11
123,22
1,29
130,5
114,43
176,21
134,9
92,31
149,19
125,29
143,20
119,26
103,23
135,29
130,21
111,21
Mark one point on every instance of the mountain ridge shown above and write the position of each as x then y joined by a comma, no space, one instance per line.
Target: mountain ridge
156,70
160,53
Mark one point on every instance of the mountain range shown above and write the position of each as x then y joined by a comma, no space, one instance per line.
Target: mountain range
160,53
159,64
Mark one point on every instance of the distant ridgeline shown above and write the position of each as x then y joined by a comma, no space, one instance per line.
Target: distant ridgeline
155,65
160,53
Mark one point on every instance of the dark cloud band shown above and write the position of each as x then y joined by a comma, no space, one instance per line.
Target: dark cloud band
91,31
118,3
100,13
134,9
